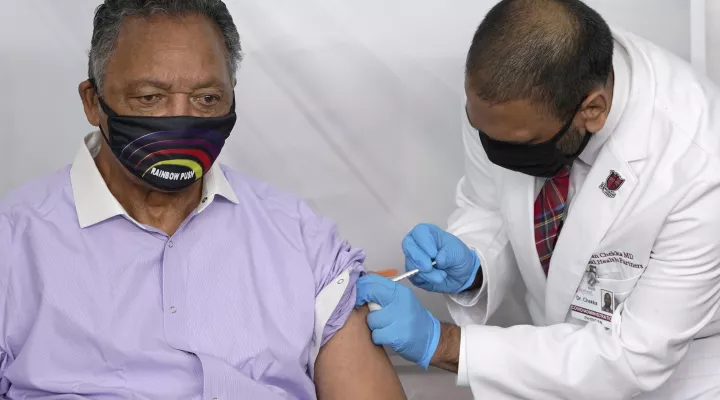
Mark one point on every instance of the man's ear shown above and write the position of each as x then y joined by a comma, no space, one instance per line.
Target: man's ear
89,98
595,110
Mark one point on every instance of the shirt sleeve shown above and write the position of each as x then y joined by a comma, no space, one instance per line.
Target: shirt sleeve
462,378
329,256
478,222
4,276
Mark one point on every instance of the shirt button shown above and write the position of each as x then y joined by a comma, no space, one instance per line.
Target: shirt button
173,309
204,200
170,244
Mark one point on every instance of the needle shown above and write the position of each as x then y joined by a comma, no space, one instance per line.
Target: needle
375,306
405,275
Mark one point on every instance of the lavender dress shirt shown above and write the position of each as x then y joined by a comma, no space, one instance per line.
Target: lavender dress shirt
95,305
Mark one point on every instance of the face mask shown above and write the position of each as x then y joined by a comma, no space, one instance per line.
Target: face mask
541,160
169,153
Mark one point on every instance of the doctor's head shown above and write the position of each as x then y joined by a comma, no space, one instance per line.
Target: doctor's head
539,82
160,87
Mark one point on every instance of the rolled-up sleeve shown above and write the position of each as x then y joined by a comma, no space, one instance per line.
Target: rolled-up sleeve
330,255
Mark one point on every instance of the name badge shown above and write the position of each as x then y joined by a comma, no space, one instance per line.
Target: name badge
592,303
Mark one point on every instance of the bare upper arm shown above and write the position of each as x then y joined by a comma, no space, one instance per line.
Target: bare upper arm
350,367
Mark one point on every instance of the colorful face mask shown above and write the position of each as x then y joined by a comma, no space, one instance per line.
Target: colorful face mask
169,153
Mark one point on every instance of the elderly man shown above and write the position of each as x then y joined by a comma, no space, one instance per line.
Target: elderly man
147,271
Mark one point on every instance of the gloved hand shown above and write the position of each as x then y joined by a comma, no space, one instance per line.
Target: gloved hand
402,323
455,264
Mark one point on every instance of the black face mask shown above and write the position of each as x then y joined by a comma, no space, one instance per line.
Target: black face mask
169,153
541,160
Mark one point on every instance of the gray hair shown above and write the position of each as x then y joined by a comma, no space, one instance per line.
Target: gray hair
109,17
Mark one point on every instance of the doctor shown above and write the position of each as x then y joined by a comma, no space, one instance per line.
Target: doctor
592,169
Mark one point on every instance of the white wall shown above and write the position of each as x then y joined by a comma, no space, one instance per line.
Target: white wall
713,39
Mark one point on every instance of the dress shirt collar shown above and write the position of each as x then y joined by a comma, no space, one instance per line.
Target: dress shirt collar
93,201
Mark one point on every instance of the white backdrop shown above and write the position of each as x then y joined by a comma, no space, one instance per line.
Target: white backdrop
713,39
352,105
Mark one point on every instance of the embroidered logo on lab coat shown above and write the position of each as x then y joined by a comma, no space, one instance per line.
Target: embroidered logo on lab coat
611,185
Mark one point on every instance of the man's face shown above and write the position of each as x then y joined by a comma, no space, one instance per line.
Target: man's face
163,66
168,66
520,122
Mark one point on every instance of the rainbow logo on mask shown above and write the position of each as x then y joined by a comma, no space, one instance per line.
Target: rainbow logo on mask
174,155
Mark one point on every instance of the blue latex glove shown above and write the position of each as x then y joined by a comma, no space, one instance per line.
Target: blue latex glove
455,264
403,323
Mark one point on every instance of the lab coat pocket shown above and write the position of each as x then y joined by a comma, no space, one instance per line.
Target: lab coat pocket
621,288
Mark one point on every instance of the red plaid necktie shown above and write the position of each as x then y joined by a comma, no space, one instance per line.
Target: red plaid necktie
549,210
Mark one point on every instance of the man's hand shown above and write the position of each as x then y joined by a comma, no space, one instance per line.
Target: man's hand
456,266
403,323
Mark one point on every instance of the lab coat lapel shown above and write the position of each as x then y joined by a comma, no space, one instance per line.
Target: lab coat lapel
519,197
592,212
590,215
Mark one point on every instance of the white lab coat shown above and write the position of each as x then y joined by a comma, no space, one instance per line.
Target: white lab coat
664,342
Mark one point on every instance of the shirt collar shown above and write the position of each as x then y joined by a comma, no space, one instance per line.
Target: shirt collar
93,201
621,93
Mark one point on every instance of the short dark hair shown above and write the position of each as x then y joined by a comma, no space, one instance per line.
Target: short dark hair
550,52
110,15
